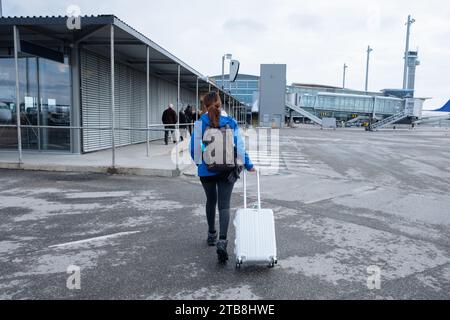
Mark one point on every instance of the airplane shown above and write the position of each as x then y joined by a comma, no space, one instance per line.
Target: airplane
429,116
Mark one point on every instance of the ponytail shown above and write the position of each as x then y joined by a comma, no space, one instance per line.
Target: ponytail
212,104
214,116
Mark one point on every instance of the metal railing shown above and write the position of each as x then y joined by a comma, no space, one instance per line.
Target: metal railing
151,128
389,120
304,113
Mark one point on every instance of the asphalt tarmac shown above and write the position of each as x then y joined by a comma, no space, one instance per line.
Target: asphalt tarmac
359,215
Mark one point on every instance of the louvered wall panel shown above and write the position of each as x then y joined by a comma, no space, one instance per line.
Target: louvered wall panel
139,106
95,98
123,104
130,98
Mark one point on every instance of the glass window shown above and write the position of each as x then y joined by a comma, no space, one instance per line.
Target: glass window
55,104
252,84
8,136
241,84
45,99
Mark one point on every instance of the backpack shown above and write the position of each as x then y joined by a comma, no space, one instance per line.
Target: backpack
218,149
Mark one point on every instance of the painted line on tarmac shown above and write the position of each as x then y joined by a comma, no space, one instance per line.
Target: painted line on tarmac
94,195
115,235
347,194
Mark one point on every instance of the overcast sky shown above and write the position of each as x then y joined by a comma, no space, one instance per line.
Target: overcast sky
314,38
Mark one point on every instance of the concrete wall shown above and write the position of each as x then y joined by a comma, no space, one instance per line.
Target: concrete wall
272,95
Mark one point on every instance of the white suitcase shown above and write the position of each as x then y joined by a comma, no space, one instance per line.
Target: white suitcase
255,233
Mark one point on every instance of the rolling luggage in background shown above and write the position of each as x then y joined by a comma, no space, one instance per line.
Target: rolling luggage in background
255,233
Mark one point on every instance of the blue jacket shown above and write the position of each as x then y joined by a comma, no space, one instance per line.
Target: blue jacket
197,139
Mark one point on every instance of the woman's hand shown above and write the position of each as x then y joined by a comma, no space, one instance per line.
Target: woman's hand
252,170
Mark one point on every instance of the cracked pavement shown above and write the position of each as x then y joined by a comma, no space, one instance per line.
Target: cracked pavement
344,200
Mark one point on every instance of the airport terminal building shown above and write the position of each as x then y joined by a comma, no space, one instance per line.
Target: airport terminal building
89,87
323,101
243,88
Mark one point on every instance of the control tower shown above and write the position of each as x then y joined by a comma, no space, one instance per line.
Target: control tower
412,63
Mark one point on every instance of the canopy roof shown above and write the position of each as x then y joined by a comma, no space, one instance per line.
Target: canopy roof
130,45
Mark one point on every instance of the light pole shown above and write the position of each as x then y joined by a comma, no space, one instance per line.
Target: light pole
1,10
227,56
343,81
408,32
369,50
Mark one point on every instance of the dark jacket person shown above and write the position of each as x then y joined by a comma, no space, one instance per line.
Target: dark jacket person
189,118
183,120
169,119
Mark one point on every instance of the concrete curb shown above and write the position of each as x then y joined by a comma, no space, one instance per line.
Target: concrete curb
92,169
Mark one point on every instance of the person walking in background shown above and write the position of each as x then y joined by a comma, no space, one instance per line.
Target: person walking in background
189,118
218,185
196,114
169,119
183,125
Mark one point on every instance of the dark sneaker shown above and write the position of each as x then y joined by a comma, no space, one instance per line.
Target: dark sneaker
212,238
222,254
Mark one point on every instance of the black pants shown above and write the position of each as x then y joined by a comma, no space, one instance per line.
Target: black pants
218,192
166,135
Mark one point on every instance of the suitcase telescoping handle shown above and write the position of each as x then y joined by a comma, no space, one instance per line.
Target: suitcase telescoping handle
245,189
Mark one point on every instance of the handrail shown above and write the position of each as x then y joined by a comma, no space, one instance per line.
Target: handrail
93,128
395,117
304,113
100,128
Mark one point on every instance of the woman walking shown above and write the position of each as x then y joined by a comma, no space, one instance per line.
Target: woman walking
218,184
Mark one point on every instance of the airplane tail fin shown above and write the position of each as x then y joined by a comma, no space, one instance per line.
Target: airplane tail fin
445,108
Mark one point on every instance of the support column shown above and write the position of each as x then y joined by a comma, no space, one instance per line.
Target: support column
234,110
373,111
240,112
225,96
148,100
197,102
16,65
75,134
177,164
113,102
224,100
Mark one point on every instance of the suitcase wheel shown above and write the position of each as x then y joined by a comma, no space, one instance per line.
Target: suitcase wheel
272,263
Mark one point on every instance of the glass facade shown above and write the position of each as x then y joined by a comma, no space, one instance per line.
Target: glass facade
243,88
45,99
